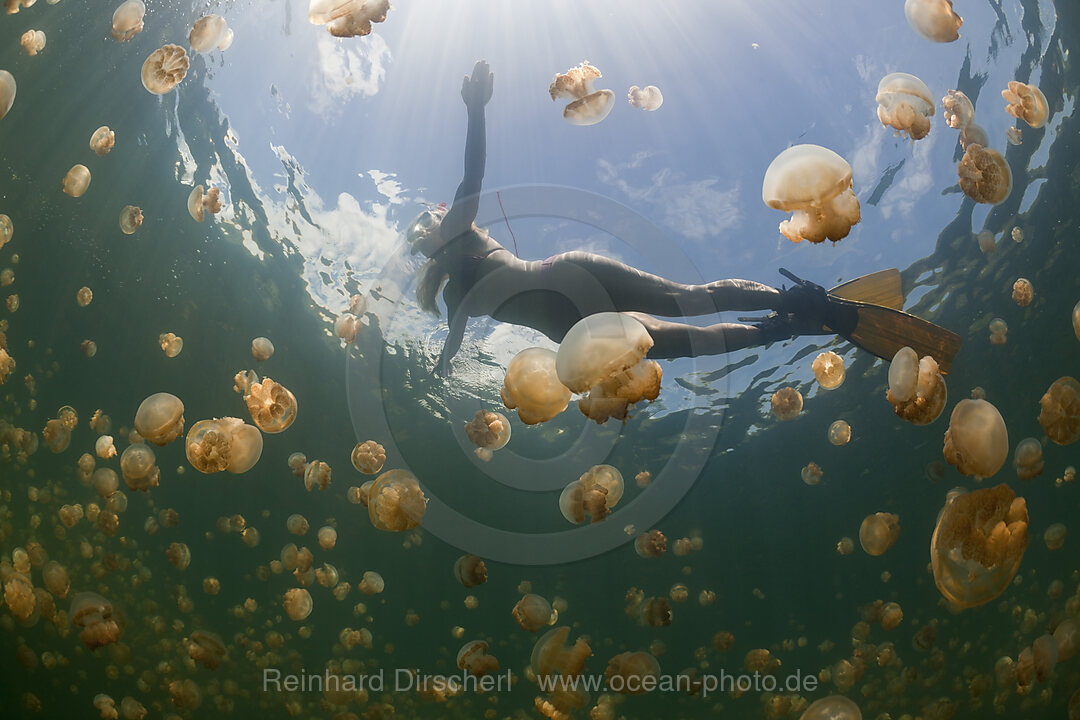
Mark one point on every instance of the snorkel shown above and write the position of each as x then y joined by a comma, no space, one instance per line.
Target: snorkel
424,224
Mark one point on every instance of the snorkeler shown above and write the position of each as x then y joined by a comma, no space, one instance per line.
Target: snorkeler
483,278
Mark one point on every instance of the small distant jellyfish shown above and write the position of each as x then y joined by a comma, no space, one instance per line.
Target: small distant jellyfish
473,659
317,474
171,344
811,474
7,92
209,32
223,444
76,181
160,418
470,571
1014,135
917,388
371,583
396,502
1023,292
986,241
94,614
272,406
327,537
6,230
203,200
206,648
348,18
879,532
957,110
833,707
84,296
131,218
651,544
489,431
102,141
593,495
985,177
632,673
137,465
532,612
368,457
297,604
977,441
1028,459
532,387
787,403
643,478
1060,411
1054,537
839,433
1017,235
646,98
261,349
998,330
33,42
164,69
828,368
1027,103
589,106
347,327
935,20
127,20
974,134
814,184
104,447
1075,317
905,104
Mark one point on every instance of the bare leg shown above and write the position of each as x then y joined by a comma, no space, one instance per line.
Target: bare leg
679,340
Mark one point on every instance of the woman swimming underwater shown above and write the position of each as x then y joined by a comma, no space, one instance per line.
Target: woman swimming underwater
484,278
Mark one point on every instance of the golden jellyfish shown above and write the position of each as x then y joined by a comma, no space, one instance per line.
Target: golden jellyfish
833,707
1075,312
76,181
551,654
33,42
262,349
878,532
160,418
223,444
643,478
206,648
828,368
787,403
489,431
371,583
470,571
1028,459
164,69
977,441
171,344
396,502
1022,292
814,184
592,495
131,709
131,218
138,468
532,386
839,433
272,406
19,596
6,230
368,457
348,18
127,20
650,544
104,447
589,106
917,388
935,20
905,104
102,141
973,134
297,524
957,110
647,98
1027,103
55,577
846,546
473,658
977,545
985,177
327,537
1067,636
632,673
1060,411
94,614
1014,135
532,612
202,201
209,32
1044,653
1054,537
891,616
7,94
317,474
297,603
347,327
998,330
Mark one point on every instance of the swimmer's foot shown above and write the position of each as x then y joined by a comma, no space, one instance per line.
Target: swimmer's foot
813,306
784,326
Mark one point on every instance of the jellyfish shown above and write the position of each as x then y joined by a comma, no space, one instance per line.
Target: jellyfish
532,612
327,537
368,457
76,181
127,20
977,545
297,603
208,33
473,658
203,200
1060,414
814,184
94,614
206,648
833,707
589,106
839,433
371,583
651,544
935,20
1044,653
261,349
55,577
906,104
7,365
272,406
977,441
1075,312
138,468
316,475
223,444
828,368
604,355
985,177
878,532
33,42
348,18
1022,292
627,673
160,418
811,474
470,571
891,616
593,494
489,431
646,98
1027,103
396,502
1067,636
787,403
1014,135
551,655
917,389
131,218
1054,537
6,230
347,327
7,93
164,69
957,110
532,386
1028,459
998,329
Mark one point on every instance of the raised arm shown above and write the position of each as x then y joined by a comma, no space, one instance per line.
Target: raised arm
475,91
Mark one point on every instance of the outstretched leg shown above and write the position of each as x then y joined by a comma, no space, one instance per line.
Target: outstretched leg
679,340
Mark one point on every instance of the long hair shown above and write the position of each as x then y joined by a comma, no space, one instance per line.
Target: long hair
430,281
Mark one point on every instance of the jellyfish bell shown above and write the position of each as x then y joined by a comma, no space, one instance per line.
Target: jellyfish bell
1075,312
271,405
1060,411
131,218
164,69
839,433
532,612
171,344
6,230
137,465
206,648
368,457
160,418
195,203
631,673
588,106
262,349
470,571
76,181
1028,459
297,603
828,368
7,92
813,183
94,614
348,18
489,431
833,707
33,42
787,403
879,532
985,177
207,33
647,98
127,20
935,20
1027,103
905,104
957,110
977,441
917,388
223,444
1054,537
396,502
532,387
1023,292
977,545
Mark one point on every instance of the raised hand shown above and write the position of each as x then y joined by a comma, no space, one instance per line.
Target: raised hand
476,90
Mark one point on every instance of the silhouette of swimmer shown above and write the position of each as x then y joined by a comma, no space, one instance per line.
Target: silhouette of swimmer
483,278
